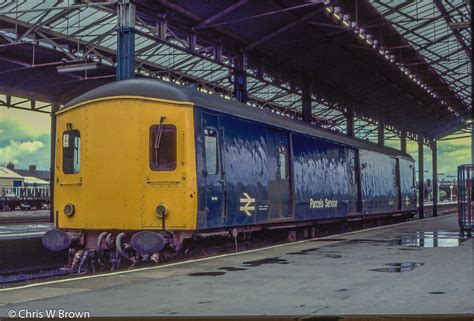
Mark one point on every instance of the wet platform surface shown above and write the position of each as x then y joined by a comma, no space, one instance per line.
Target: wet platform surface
419,267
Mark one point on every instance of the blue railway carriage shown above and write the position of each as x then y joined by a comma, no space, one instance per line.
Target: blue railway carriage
257,168
151,164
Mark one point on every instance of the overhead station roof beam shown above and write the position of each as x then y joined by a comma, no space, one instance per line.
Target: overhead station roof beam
40,23
396,8
435,41
221,14
213,73
456,32
282,29
452,69
418,31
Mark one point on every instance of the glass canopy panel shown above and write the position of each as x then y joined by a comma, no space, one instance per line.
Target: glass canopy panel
426,29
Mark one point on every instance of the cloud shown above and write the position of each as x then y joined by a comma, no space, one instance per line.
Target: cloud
18,150
22,146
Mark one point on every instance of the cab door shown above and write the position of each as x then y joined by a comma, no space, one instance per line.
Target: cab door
213,175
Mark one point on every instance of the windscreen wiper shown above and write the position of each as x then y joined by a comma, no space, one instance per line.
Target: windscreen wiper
159,133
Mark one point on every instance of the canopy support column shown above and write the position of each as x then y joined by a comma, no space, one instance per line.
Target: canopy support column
350,121
240,79
52,170
403,141
306,103
421,179
380,133
125,40
434,153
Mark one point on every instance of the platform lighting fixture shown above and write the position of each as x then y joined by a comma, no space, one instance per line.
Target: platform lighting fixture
374,43
456,25
369,39
77,67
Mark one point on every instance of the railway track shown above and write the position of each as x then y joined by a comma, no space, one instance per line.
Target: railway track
32,275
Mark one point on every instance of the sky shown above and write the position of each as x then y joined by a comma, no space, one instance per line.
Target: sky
451,154
25,140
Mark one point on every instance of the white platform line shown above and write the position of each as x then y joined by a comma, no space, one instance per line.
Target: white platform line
22,234
93,276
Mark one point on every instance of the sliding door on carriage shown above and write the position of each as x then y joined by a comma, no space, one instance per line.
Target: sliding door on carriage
279,184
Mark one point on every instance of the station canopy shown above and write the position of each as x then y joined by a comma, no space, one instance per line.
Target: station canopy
404,63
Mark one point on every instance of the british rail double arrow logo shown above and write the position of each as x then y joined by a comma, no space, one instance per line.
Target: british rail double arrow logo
247,204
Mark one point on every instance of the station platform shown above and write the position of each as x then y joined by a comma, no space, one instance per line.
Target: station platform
417,267
16,217
13,231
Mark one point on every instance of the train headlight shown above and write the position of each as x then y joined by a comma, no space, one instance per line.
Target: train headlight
161,210
69,209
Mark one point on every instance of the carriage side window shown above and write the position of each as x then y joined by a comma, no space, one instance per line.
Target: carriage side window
71,152
282,162
210,145
163,147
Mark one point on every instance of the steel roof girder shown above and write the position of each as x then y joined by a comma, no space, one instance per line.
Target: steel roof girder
220,14
281,29
447,18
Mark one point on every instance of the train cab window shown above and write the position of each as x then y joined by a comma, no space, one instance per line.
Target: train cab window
71,152
210,145
163,147
282,162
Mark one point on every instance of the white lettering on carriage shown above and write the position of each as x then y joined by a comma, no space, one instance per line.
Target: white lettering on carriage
322,203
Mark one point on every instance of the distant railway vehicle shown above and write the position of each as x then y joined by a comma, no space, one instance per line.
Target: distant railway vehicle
144,165
22,192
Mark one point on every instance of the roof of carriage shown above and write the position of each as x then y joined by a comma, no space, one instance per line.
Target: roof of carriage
166,91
